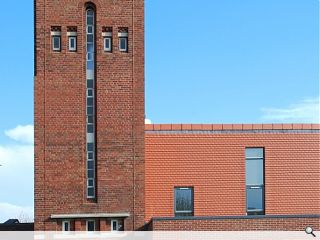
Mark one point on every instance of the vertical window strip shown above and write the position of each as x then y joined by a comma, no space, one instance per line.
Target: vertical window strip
90,102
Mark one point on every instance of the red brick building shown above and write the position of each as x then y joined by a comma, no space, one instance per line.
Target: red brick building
98,168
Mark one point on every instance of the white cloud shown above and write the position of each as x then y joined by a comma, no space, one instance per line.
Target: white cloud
8,211
147,121
17,175
305,111
22,134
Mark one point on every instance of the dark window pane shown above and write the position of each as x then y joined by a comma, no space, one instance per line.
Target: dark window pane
90,147
90,183
66,226
90,119
90,38
89,128
254,152
90,173
255,199
89,101
90,164
183,200
89,110
90,225
56,43
123,44
90,192
89,29
90,83
90,92
254,172
90,19
114,226
90,155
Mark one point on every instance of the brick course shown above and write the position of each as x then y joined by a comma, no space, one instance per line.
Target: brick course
213,162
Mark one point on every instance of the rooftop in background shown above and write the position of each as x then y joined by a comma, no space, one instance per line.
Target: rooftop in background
228,127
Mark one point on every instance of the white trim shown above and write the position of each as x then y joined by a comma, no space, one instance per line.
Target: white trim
56,48
72,34
106,34
75,43
55,33
63,226
122,34
117,225
110,44
90,215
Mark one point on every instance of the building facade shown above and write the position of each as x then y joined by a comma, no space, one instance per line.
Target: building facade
98,167
89,114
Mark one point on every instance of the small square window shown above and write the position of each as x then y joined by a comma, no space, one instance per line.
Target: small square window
123,44
107,44
56,43
73,44
91,225
66,226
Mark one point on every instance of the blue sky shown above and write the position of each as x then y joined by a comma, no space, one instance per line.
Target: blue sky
208,61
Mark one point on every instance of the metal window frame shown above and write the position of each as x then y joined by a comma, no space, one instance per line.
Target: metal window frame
256,186
74,49
126,41
117,222
109,49
94,224
63,226
192,201
56,49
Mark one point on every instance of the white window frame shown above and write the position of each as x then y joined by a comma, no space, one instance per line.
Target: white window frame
126,41
74,49
107,49
94,226
63,226
117,224
56,49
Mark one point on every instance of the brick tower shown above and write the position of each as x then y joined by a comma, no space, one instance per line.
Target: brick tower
89,115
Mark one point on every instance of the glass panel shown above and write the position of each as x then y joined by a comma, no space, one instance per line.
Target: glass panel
90,65
90,182
89,83
90,192
90,224
89,128
123,44
90,93
90,147
90,110
90,38
90,18
56,43
90,173
66,226
90,155
254,152
183,199
90,47
107,43
254,199
254,172
89,101
89,56
114,226
90,119
90,29
90,164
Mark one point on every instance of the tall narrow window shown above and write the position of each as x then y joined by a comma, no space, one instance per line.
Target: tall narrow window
123,39
255,181
90,104
56,38
183,201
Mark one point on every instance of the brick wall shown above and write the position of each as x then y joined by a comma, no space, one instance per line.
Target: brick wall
60,113
211,158
276,223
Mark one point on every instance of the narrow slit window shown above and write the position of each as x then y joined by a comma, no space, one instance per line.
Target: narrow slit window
123,44
56,43
108,44
73,44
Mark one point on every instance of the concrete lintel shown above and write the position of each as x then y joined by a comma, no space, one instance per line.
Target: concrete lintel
90,215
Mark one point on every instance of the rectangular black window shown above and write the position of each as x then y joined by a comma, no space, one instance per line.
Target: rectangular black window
183,201
123,44
91,225
255,181
66,226
56,43
73,44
